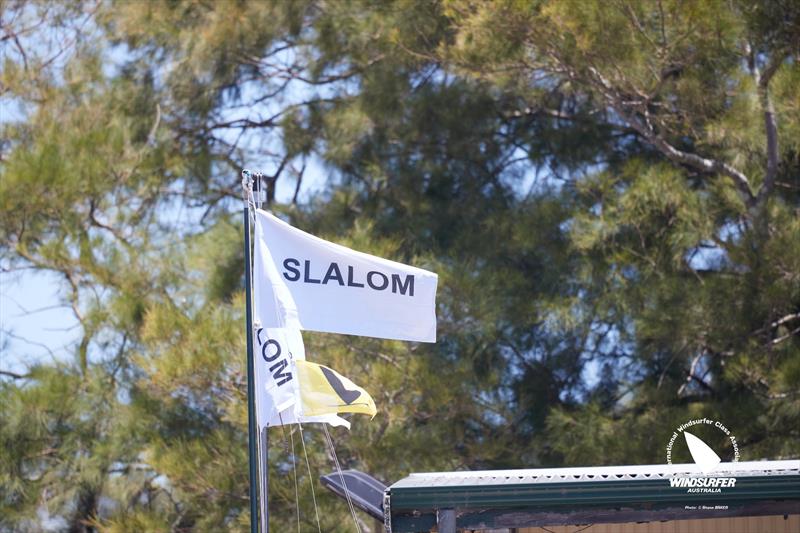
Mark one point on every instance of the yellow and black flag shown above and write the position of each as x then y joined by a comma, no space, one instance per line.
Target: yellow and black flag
325,391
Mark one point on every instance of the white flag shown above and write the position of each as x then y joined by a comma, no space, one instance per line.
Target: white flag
304,282
276,388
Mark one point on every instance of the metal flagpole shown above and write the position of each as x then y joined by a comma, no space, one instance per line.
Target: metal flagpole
262,438
264,456
251,419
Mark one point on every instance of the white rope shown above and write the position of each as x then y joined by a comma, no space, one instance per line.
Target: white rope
294,470
251,201
296,491
329,440
310,477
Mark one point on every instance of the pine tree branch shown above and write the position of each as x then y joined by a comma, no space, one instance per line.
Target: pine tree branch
782,338
692,376
13,375
770,125
776,323
94,221
622,105
299,175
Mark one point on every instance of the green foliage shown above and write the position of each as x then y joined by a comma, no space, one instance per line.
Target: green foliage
617,238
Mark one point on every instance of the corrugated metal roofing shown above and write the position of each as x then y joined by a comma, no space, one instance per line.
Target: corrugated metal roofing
592,473
558,496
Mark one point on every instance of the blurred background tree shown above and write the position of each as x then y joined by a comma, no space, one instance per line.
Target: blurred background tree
609,191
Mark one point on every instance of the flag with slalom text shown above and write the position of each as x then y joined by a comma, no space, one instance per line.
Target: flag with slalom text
303,282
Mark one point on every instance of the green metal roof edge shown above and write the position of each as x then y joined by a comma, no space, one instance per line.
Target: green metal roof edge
587,493
472,519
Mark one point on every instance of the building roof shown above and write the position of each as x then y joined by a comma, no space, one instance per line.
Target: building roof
591,473
560,496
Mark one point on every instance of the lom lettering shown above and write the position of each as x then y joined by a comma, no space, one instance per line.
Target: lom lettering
397,286
371,275
270,358
278,372
350,282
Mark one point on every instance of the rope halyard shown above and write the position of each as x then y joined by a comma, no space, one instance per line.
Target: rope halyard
294,468
329,440
296,490
310,477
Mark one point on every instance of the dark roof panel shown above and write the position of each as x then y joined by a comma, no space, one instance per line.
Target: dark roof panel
520,498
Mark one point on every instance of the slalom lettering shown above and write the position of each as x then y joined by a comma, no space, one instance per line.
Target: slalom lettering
374,279
291,265
350,282
275,355
398,286
333,273
371,282
307,278
277,372
270,351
